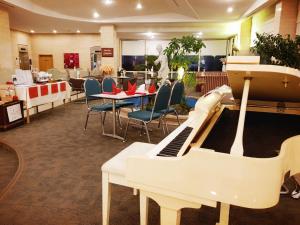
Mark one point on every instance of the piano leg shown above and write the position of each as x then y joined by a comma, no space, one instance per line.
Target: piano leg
224,214
170,216
144,204
170,208
106,195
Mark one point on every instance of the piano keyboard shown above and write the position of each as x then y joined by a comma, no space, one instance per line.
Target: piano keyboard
172,149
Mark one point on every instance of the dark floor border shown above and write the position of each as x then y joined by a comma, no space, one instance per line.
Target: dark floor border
16,176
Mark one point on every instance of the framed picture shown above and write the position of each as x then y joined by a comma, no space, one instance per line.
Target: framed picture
71,60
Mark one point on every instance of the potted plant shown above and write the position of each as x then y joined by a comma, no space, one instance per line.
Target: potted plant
277,49
178,51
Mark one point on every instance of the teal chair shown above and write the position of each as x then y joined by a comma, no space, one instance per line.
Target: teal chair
175,99
107,85
161,103
92,87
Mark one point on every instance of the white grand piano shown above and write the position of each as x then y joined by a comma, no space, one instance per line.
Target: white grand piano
223,151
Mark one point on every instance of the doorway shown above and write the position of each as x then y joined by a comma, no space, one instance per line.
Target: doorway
24,61
45,62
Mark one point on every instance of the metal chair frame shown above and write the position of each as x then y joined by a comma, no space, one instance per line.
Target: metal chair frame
144,123
102,117
175,111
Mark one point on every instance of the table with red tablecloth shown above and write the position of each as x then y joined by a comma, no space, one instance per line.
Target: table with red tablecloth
40,94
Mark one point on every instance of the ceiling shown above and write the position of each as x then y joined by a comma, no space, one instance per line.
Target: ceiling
162,17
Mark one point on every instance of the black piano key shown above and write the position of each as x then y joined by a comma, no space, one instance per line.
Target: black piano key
175,145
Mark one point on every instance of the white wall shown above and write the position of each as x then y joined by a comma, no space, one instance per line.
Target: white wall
148,47
19,38
58,44
265,21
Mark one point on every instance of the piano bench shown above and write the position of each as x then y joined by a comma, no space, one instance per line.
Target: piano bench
113,172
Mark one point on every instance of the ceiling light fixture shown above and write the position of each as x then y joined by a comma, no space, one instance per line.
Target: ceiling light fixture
78,31
32,31
230,9
108,2
96,15
150,34
139,5
54,31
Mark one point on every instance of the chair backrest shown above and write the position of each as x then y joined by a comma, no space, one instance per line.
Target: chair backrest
107,84
91,87
162,98
125,83
177,93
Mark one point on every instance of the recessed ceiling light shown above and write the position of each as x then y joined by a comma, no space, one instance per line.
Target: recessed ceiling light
108,2
32,31
54,31
96,15
77,31
230,9
139,6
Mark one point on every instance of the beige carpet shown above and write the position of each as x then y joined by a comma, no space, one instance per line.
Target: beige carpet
61,179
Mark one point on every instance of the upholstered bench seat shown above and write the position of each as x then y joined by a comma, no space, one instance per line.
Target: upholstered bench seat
113,172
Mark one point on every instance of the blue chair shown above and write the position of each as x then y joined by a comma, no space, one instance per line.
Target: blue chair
175,99
161,103
92,87
107,85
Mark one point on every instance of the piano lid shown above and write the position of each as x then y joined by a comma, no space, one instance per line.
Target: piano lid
268,82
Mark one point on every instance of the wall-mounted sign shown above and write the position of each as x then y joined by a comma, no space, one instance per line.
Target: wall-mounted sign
107,52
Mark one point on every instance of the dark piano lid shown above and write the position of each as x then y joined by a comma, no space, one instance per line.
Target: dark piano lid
268,82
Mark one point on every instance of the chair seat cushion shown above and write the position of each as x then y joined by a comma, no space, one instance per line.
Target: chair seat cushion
117,164
169,110
143,115
101,107
124,103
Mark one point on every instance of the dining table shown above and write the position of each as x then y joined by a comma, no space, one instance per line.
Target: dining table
120,97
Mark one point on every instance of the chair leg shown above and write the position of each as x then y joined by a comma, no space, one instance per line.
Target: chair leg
176,113
87,119
126,129
146,128
162,125
104,117
119,119
102,122
142,127
166,125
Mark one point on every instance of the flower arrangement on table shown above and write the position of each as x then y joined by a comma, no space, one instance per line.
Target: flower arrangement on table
107,70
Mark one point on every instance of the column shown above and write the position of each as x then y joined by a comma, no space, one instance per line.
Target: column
6,58
286,17
109,39
245,36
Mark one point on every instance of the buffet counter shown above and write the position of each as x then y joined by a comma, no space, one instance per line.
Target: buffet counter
40,94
